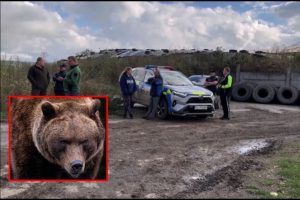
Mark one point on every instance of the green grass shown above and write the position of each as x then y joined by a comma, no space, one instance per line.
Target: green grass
288,186
260,192
268,182
290,171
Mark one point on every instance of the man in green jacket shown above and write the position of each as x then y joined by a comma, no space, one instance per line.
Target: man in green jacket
225,87
72,79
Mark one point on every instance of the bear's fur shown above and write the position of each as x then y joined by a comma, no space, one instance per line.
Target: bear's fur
49,135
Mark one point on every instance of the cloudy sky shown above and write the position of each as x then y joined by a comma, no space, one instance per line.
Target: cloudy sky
60,29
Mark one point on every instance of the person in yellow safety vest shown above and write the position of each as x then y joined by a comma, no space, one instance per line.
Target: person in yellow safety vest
225,87
167,92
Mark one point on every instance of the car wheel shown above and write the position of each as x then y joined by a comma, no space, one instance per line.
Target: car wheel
162,109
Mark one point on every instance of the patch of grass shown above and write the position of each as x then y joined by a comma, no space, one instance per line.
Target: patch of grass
268,182
290,172
262,193
289,184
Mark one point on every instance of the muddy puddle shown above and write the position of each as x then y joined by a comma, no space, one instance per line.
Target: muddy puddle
246,147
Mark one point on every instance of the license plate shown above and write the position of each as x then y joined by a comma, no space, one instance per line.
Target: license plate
200,107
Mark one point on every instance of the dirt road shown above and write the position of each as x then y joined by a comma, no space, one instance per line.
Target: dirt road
177,158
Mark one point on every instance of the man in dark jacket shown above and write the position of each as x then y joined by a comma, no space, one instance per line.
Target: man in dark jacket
155,93
39,78
58,78
211,84
128,87
225,87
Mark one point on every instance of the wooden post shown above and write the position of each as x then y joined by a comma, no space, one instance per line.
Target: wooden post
288,77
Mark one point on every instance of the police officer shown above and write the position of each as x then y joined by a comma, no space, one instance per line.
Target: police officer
225,87
155,93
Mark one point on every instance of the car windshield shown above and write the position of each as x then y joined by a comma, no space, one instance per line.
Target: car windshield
175,78
199,79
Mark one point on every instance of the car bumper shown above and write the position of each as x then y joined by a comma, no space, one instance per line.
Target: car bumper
192,105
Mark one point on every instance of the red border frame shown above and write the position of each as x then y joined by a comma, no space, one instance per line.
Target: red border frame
58,180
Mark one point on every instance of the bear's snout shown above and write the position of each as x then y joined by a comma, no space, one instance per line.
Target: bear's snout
76,166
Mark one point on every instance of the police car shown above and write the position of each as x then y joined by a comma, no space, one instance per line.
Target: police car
180,96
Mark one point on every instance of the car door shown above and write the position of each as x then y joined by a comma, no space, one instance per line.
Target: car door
145,88
138,75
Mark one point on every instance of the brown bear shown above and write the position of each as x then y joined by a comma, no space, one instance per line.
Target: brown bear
56,138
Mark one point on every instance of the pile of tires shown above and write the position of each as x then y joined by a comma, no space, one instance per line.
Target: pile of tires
242,91
264,93
287,95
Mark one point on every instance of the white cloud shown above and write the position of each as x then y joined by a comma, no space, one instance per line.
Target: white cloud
28,28
289,11
286,9
19,56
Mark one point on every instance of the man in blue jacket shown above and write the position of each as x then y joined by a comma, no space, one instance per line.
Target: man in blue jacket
128,87
58,78
155,93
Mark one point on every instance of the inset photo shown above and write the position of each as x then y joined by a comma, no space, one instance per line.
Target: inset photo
58,139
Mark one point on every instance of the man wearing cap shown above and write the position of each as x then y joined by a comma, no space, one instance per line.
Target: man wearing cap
39,78
58,78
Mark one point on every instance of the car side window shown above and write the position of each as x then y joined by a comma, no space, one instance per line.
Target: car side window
196,79
134,73
139,74
149,74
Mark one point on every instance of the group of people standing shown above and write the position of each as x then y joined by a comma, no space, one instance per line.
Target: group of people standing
66,81
221,88
128,86
67,84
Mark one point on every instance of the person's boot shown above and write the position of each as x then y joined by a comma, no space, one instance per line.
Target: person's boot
131,116
124,115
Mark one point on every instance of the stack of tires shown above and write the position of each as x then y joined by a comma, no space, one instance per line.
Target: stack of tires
264,93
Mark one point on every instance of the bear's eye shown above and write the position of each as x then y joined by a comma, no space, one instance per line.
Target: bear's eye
83,142
64,142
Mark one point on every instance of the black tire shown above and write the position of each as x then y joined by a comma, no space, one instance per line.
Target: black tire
242,91
162,109
287,95
263,93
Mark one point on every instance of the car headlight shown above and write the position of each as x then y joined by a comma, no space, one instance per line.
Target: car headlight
180,94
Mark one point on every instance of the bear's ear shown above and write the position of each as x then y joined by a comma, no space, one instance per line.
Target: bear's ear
49,110
95,106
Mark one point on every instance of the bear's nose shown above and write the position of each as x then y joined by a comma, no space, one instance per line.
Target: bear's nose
76,166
